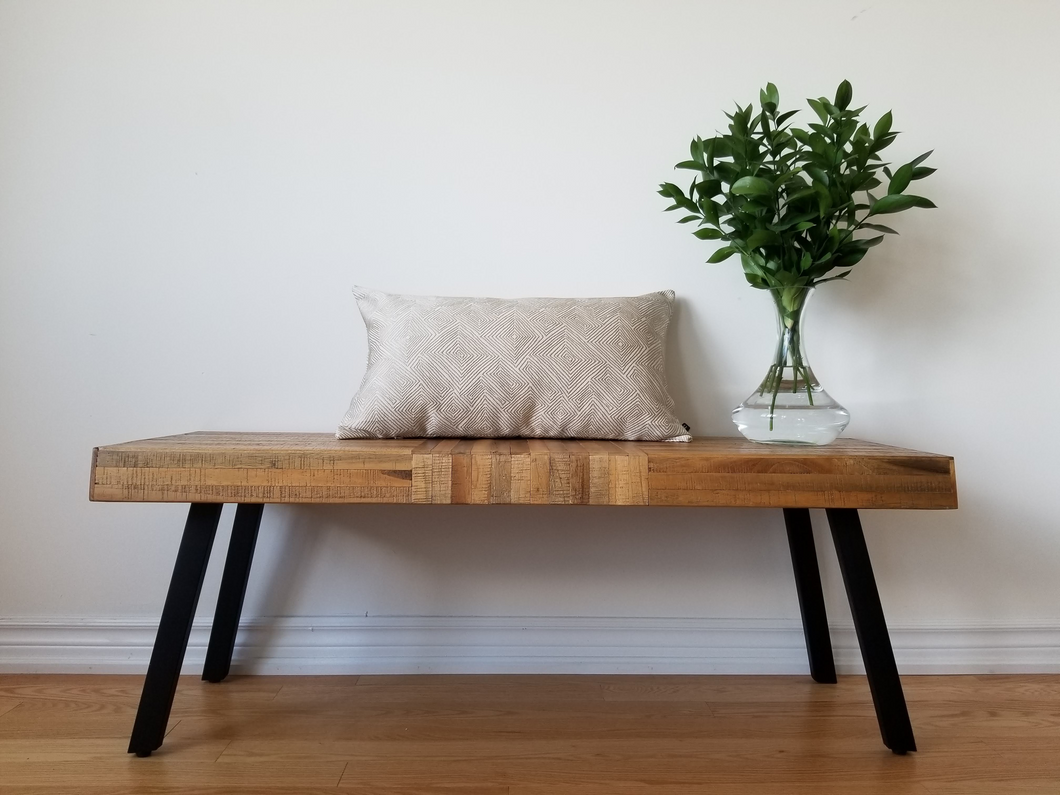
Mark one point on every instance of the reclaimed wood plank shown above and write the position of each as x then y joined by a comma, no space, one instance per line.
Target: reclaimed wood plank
442,472
306,468
559,470
481,471
540,466
520,472
501,475
461,469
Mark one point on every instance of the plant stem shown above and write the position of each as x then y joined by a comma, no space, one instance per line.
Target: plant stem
789,306
767,383
797,363
773,404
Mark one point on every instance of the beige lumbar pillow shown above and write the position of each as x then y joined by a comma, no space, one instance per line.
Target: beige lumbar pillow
589,368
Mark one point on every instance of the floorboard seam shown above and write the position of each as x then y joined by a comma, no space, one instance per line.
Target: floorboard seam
218,759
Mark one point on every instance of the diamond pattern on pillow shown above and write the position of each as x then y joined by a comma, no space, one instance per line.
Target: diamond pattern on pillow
589,368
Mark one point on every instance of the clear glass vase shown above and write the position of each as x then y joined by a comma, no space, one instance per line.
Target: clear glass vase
789,406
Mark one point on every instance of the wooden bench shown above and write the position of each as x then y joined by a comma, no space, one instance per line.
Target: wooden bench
250,469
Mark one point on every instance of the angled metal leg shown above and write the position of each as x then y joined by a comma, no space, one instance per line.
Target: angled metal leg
811,596
233,589
173,630
871,628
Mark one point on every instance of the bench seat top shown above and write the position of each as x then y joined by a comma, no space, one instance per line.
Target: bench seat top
234,467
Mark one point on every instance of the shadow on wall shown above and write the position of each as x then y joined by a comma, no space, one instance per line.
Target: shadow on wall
925,304
919,294
552,560
930,563
296,553
601,562
687,353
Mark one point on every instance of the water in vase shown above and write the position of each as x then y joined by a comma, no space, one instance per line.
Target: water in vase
790,406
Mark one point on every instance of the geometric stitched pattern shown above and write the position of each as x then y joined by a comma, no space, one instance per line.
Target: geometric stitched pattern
589,368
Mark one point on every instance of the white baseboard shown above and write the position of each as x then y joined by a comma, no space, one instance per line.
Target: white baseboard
380,645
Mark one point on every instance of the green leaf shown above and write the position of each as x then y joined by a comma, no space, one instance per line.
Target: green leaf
900,180
882,142
691,165
922,171
752,206
688,218
721,254
869,242
670,190
709,208
802,194
818,174
853,257
706,233
709,188
918,160
772,93
792,220
843,95
895,203
847,132
842,275
883,126
727,171
790,176
763,237
752,186
818,108
879,228
783,117
824,198
696,150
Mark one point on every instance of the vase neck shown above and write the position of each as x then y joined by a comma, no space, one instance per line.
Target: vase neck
789,359
790,304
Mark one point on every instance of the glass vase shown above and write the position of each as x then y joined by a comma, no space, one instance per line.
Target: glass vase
789,406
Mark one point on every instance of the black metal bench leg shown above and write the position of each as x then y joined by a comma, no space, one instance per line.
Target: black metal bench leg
871,628
811,596
174,629
233,589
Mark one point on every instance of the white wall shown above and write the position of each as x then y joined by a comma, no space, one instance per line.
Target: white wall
188,190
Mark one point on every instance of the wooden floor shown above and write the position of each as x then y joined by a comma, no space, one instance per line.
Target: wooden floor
532,735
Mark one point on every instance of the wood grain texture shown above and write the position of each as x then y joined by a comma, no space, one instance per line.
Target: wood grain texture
533,735
317,468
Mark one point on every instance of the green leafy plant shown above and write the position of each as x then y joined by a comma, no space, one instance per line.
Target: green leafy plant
791,201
